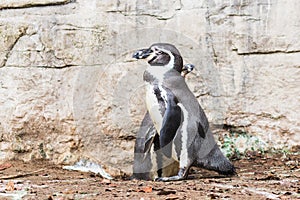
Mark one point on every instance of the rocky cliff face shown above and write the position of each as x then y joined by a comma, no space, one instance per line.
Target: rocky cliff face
70,90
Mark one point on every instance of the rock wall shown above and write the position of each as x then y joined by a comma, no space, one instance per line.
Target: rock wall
70,90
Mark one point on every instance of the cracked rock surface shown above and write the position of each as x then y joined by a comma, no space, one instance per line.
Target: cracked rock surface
70,90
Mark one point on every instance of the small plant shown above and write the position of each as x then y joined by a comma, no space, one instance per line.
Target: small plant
235,145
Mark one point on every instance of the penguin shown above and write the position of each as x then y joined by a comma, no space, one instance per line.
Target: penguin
184,138
187,68
146,136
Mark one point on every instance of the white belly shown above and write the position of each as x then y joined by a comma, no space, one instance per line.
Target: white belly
153,107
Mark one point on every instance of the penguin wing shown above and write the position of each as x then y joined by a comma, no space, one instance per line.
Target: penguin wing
149,139
145,135
170,124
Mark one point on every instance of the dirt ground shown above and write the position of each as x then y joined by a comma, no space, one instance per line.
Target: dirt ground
265,176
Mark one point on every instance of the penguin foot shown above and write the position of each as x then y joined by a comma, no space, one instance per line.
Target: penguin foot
171,178
182,174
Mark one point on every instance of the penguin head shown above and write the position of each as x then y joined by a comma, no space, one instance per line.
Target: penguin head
187,68
161,54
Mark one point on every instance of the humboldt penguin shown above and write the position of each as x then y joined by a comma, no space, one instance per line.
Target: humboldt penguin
143,167
184,138
187,68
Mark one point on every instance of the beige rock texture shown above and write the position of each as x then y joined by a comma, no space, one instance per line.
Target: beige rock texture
70,89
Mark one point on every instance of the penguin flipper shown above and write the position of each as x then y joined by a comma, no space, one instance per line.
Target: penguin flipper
170,125
144,134
149,140
142,159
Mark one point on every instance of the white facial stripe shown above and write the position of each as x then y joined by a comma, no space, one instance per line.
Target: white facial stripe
170,65
184,138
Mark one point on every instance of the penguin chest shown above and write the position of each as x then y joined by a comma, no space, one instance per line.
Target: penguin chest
156,104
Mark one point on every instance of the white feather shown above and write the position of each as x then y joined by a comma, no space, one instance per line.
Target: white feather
184,138
153,107
158,72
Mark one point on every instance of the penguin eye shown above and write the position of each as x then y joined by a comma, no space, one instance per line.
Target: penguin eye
159,52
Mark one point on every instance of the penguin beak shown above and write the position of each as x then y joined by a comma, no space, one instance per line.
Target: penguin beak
188,68
142,54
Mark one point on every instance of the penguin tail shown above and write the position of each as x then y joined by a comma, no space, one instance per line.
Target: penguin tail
216,161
